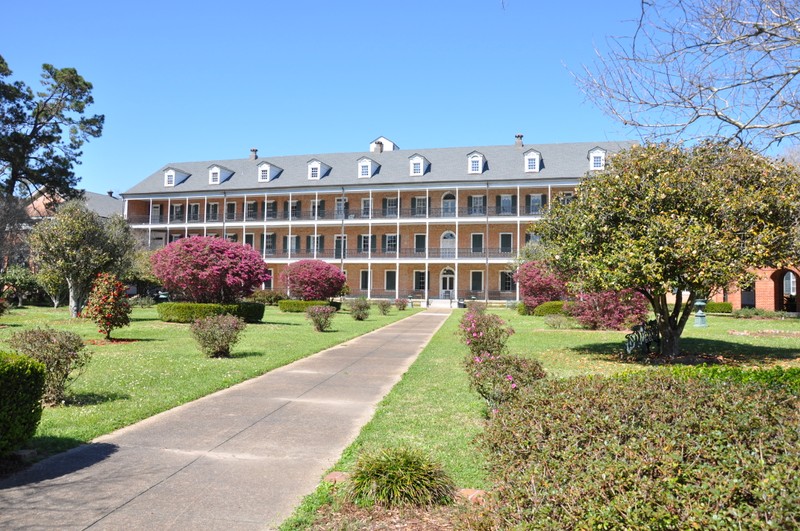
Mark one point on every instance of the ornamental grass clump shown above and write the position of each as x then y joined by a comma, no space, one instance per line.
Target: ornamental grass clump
62,354
399,476
359,309
321,317
108,304
384,306
216,335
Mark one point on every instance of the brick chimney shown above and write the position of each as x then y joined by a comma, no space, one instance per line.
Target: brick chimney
518,141
253,153
378,147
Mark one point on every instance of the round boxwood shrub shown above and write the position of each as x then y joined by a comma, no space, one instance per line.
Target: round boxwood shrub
400,476
21,389
549,308
650,450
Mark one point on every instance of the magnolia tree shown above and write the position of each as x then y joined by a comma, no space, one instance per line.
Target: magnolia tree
538,284
663,220
313,280
209,269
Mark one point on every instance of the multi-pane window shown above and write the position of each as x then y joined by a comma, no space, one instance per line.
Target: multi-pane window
341,207
478,205
507,281
194,212
212,212
532,163
506,205
315,242
365,170
214,177
316,209
293,243
475,165
294,209
251,210
170,179
268,243
249,239
271,209
597,162
448,205
391,207
230,211
176,212
421,206
416,168
419,280
340,246
314,173
789,284
366,208
391,243
263,175
364,243
364,284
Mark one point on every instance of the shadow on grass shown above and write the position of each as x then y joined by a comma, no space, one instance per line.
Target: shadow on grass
250,354
275,323
92,399
84,456
694,348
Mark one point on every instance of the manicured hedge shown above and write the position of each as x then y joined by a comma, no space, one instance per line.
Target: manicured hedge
21,389
188,312
718,307
650,450
775,377
549,308
296,306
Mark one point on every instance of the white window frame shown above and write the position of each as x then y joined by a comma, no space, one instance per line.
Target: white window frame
196,208
500,242
361,278
315,208
169,178
392,210
247,211
364,243
213,176
424,279
416,168
483,280
391,243
424,201
510,276
509,198
366,207
532,163
475,164
263,174
363,170
209,207
597,160
233,218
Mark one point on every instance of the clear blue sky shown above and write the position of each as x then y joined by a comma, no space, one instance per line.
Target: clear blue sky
181,81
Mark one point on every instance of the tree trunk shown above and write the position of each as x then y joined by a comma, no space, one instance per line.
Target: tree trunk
670,341
670,323
77,297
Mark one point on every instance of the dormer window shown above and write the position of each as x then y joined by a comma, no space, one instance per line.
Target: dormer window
418,165
317,169
366,167
532,161
218,174
169,178
267,172
475,162
597,159
263,174
364,170
173,176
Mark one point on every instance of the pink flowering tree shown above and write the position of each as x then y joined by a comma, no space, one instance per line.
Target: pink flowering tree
610,310
538,284
313,280
209,269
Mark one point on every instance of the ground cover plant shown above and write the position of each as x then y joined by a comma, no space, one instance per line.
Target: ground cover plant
148,369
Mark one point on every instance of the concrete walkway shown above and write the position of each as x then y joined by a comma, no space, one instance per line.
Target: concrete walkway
242,458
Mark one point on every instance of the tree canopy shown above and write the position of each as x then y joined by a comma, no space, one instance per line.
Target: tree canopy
665,219
311,280
705,68
41,133
77,244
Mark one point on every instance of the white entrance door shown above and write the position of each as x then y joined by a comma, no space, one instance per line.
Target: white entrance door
448,284
448,245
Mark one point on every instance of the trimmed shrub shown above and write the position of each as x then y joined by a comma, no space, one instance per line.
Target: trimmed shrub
774,377
321,317
107,304
189,312
484,333
401,304
269,297
749,313
610,310
216,335
295,306
549,308
522,309
718,307
647,450
359,309
398,476
384,306
312,280
22,381
500,378
62,354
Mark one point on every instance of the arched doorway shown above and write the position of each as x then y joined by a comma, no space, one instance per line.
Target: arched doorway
789,301
448,245
448,205
448,282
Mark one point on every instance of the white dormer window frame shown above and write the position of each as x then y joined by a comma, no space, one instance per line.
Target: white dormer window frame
475,163
417,165
597,159
317,169
213,177
169,178
263,174
532,161
266,172
366,168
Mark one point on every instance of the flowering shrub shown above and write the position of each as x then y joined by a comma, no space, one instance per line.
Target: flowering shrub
401,304
320,317
499,378
217,334
312,280
616,310
209,269
384,306
108,304
484,333
359,309
60,351
537,284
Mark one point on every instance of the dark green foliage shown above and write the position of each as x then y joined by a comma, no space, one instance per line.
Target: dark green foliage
269,297
3,306
384,306
718,307
399,476
320,316
21,389
359,309
296,306
188,312
522,309
774,377
649,450
61,352
217,334
549,308
498,379
749,313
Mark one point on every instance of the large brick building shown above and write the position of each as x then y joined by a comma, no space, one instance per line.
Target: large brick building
440,223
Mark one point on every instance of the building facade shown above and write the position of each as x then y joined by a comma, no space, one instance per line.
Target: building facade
442,223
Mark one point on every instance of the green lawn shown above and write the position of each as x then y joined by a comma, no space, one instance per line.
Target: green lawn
157,366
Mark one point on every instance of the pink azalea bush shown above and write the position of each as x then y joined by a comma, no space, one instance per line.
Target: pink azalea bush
537,284
610,310
498,379
209,269
484,333
313,280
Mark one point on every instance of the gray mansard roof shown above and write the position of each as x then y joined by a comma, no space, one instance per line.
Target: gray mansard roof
503,164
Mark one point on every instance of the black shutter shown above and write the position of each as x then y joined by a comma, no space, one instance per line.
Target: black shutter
286,209
514,204
469,204
497,204
372,244
285,243
414,205
528,204
544,200
383,243
384,206
321,243
346,208
308,243
299,210
321,209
